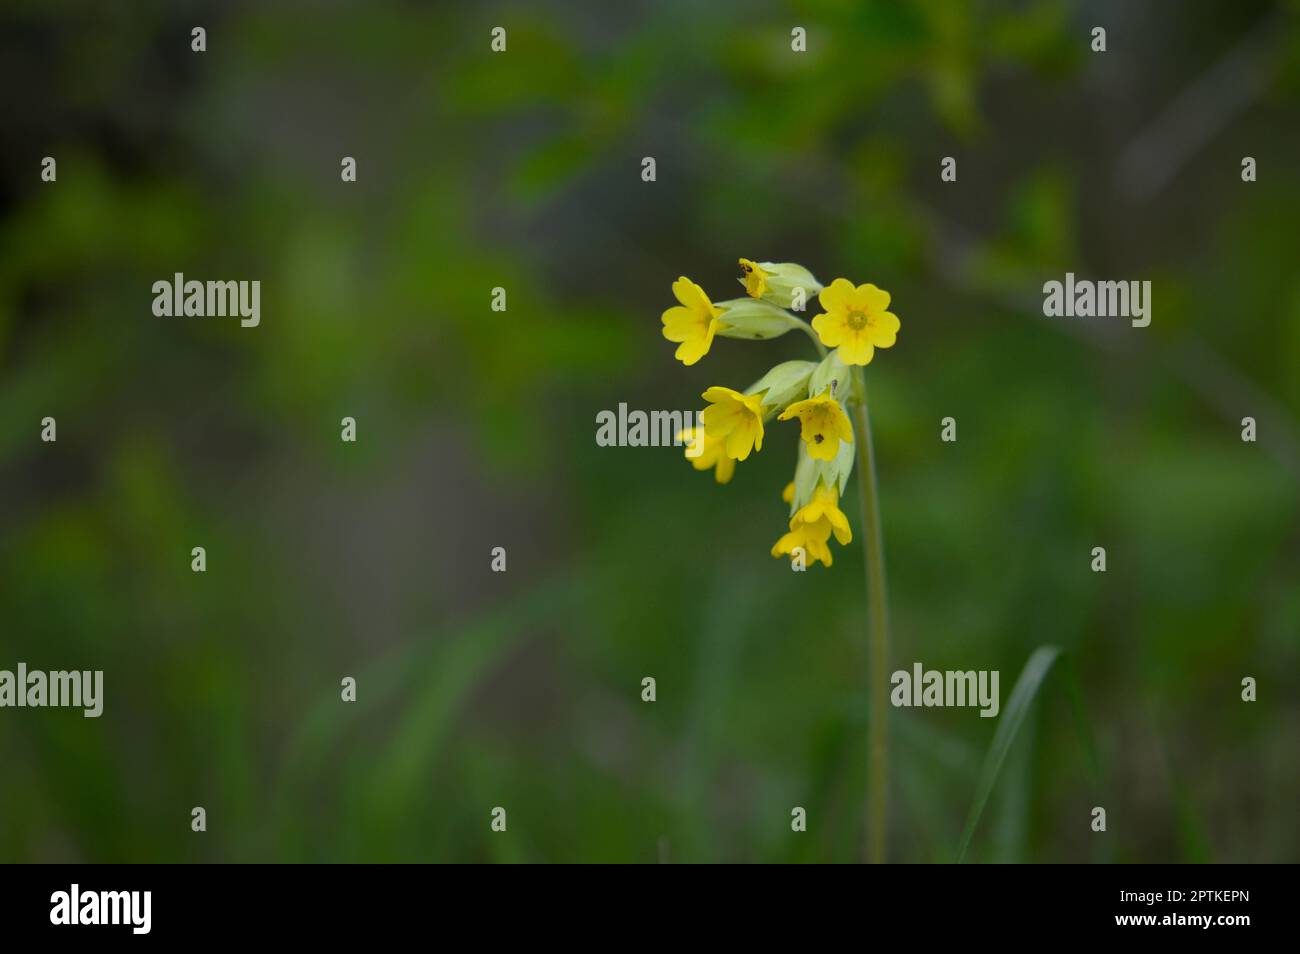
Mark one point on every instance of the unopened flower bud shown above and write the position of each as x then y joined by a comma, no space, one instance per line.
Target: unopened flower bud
785,383
754,320
784,284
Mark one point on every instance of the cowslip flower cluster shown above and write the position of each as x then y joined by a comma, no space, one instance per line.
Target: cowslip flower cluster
854,321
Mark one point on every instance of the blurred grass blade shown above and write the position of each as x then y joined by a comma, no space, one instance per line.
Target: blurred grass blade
1009,805
1082,724
1022,697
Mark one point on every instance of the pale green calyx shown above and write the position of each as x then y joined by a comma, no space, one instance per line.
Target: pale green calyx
831,375
786,284
784,384
754,320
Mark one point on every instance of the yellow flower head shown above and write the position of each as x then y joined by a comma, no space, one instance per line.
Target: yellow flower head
807,537
824,425
734,420
693,322
704,453
823,513
755,278
812,525
856,320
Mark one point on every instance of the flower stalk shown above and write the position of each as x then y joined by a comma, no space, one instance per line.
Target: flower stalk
817,343
877,636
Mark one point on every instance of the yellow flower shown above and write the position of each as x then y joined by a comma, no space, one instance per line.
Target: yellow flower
755,278
788,494
812,525
807,537
856,320
693,322
823,514
735,420
710,454
824,425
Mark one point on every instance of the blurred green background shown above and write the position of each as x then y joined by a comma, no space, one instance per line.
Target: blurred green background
476,429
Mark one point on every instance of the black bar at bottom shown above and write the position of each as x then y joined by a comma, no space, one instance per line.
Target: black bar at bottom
339,903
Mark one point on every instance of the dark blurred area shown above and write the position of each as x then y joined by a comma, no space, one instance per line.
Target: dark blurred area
475,428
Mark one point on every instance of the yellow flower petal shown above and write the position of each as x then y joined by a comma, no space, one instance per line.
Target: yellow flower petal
710,453
843,428
693,323
755,278
884,330
856,350
870,298
823,424
693,297
725,470
837,295
821,517
829,328
814,547
679,323
785,544
734,419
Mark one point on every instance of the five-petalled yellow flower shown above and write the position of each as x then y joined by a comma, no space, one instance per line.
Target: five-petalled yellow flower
693,323
823,424
735,420
856,320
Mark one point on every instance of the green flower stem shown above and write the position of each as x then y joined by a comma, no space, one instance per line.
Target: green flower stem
808,330
877,635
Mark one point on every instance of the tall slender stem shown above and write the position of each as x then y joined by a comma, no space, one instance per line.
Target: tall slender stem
877,635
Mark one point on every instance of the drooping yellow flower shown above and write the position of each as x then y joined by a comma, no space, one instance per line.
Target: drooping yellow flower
808,537
823,513
823,425
693,322
812,525
707,453
755,278
856,320
734,420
